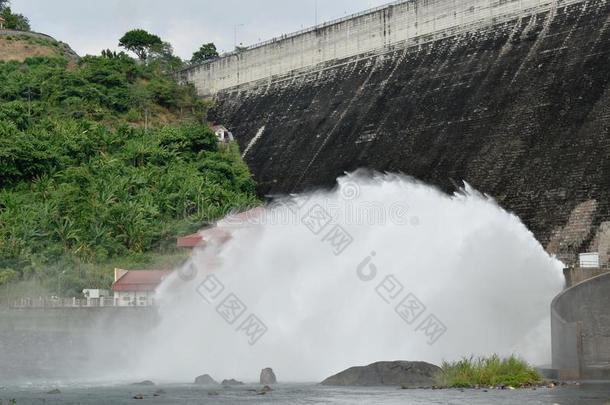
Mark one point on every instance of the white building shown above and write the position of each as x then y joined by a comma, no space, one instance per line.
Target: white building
222,133
589,260
136,288
96,297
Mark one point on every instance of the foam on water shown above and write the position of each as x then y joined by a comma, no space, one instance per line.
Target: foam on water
462,259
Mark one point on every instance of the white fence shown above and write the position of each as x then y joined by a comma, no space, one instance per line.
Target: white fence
55,302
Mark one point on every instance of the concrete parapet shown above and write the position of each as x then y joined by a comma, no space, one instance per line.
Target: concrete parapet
580,324
402,23
576,275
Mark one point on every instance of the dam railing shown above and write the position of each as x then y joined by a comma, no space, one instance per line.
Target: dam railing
325,24
306,30
55,302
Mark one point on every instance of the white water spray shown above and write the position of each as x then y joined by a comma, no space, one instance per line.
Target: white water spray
327,306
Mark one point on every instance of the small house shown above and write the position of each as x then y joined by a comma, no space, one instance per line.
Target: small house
222,133
202,238
136,288
95,297
221,233
2,22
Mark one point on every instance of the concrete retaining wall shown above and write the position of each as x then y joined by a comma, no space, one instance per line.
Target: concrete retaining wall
577,275
66,344
580,323
373,31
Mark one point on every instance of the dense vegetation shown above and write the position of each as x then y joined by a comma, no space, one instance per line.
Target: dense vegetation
13,21
488,372
205,52
103,165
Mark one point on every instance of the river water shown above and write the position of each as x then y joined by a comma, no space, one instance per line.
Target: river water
305,394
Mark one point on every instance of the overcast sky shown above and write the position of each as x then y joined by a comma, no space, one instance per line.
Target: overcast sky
90,26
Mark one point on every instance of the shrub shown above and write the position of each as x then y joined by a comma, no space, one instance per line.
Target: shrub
488,371
83,187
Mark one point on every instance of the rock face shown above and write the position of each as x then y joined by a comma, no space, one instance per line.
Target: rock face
205,379
396,373
231,382
268,377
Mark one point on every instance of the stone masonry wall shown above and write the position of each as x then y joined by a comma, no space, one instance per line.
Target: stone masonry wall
520,110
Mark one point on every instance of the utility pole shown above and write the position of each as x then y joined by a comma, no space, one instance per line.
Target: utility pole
29,99
59,285
237,26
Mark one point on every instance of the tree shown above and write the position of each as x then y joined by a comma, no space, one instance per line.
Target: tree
206,52
140,42
4,4
13,21
164,56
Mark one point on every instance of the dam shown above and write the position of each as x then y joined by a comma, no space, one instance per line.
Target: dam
372,32
512,97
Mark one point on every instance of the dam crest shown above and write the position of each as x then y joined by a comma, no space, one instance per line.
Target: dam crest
373,32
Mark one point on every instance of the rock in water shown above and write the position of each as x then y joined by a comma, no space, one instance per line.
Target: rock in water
205,379
268,377
54,392
231,382
396,373
145,383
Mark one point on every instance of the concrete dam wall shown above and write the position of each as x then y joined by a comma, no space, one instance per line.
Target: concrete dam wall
520,109
400,23
581,330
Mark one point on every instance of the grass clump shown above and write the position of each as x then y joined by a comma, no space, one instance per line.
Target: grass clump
488,371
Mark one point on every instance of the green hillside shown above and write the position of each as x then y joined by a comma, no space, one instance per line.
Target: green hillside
103,164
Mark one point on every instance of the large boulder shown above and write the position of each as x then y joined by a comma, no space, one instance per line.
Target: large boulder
268,377
231,382
205,379
407,374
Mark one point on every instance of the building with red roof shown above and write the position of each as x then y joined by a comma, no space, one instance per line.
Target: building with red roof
222,231
190,241
222,133
201,239
136,288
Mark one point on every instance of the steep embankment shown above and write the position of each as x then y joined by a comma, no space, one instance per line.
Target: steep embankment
102,166
519,110
18,46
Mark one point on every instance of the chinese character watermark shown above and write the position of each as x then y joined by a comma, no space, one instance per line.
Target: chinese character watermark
232,309
410,308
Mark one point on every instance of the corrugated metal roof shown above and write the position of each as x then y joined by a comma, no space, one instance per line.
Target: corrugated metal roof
190,241
140,280
205,236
